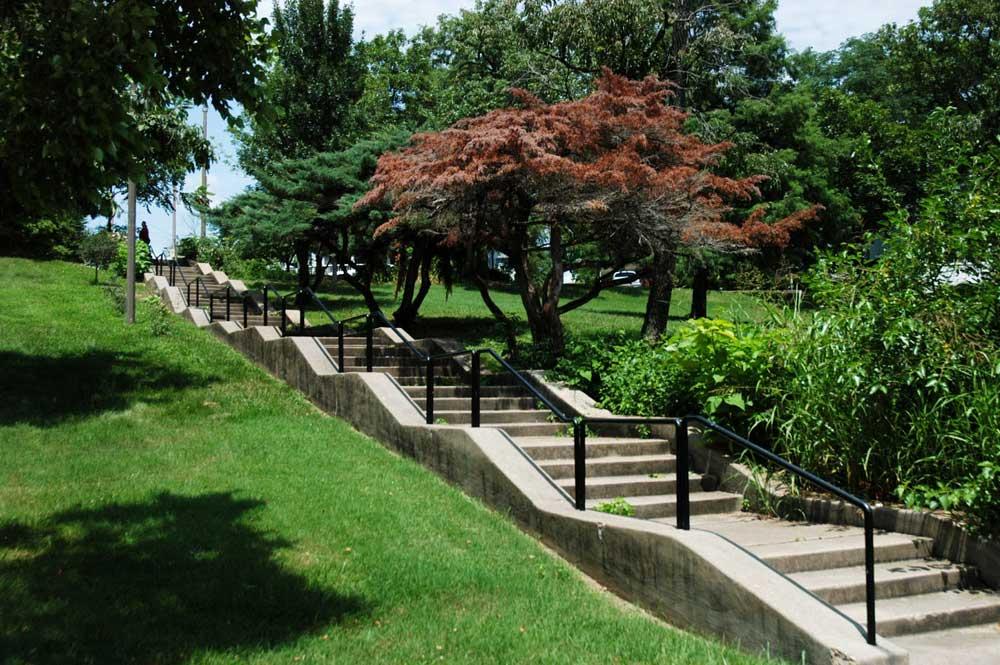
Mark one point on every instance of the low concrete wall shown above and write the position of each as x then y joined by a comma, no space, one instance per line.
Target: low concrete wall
694,579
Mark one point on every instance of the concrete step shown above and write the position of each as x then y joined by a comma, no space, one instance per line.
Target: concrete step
543,448
811,555
977,645
464,417
465,403
609,487
612,465
893,579
931,611
407,375
662,506
516,430
463,391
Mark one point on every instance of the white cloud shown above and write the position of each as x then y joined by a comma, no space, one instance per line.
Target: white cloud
826,24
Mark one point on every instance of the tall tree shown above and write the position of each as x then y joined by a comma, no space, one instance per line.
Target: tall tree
71,72
310,88
614,170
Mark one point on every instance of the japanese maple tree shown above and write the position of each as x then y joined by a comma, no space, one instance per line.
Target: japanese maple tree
598,183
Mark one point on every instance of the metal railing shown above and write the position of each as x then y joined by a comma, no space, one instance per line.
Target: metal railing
199,285
864,506
161,263
580,428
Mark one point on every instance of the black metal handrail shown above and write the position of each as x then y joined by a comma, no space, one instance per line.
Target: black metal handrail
682,446
863,505
245,300
580,423
196,282
267,305
161,261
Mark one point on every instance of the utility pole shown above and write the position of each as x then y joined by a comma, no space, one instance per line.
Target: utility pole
204,167
173,228
130,269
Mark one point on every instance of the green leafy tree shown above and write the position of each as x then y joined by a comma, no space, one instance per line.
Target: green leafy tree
307,206
99,249
85,89
310,88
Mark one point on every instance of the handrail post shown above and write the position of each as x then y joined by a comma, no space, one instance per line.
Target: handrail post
870,572
476,371
211,306
370,343
429,407
580,462
683,472
340,346
265,305
245,305
189,293
302,320
229,298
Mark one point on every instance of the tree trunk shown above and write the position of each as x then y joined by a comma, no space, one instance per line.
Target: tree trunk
364,287
661,289
699,293
543,317
318,273
416,265
302,257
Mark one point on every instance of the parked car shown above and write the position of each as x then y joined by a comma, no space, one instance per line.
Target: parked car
630,275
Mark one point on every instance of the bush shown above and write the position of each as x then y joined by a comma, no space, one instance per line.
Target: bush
894,387
143,259
99,249
707,366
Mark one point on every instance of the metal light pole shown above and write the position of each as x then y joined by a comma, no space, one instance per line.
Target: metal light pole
173,228
130,269
204,167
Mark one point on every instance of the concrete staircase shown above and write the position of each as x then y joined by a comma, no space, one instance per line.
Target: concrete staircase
918,594
938,610
188,274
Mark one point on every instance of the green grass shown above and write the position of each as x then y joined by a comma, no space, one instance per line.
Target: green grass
462,315
164,501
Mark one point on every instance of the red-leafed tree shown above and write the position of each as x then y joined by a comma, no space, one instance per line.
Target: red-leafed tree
600,182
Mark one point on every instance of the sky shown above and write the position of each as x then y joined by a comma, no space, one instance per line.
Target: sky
818,24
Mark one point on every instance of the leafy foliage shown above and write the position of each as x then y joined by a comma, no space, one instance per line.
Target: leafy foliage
143,259
308,93
618,506
99,249
614,172
88,91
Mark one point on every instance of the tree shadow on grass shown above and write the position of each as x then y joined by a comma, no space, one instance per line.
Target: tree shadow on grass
46,390
152,582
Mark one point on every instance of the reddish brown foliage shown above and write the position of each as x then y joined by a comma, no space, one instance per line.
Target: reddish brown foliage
619,157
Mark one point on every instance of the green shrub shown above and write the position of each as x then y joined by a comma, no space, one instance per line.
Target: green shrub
707,366
143,259
894,387
99,249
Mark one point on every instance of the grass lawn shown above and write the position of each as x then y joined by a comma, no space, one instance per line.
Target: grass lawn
164,501
462,314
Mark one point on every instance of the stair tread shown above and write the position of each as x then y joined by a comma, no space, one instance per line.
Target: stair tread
539,441
631,479
830,578
612,459
819,545
937,603
669,498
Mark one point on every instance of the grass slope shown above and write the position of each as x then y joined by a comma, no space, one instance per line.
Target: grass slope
164,501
